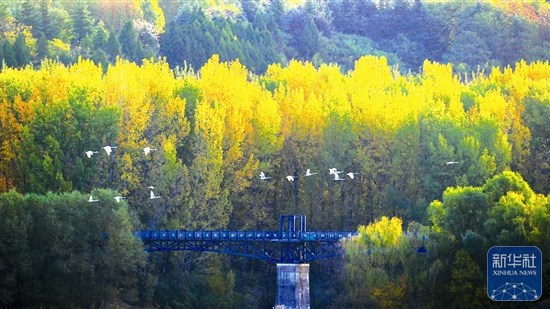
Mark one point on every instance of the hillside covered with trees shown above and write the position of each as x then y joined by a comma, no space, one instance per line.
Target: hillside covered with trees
472,35
215,123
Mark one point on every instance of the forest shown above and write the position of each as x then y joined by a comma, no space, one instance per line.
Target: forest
471,35
448,139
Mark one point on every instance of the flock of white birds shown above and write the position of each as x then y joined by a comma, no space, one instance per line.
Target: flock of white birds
331,171
109,150
290,178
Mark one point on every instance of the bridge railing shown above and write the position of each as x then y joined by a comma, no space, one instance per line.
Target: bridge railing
269,236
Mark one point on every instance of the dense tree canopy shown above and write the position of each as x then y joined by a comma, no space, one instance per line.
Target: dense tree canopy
441,111
216,129
62,251
473,36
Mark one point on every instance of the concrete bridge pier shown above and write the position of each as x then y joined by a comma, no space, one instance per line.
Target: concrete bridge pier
292,286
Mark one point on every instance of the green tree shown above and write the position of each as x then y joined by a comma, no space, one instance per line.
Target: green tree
16,266
277,11
467,283
520,39
61,25
82,22
100,37
2,60
81,255
462,209
46,27
537,169
250,9
129,42
220,288
382,261
506,182
113,46
46,160
30,16
173,46
42,50
9,55
4,13
53,154
513,201
100,58
86,47
21,51
308,41
343,17
468,50
426,31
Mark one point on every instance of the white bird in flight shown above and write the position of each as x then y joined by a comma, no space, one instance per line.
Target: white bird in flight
91,200
90,153
451,162
153,196
309,173
333,171
118,198
350,174
337,177
262,176
147,150
290,178
109,149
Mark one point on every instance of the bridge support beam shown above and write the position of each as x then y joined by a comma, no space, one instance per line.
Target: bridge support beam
292,286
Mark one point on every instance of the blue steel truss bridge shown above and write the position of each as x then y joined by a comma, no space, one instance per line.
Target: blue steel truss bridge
292,243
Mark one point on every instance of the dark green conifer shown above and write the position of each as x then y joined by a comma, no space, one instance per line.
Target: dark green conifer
82,22
172,45
277,11
44,12
21,51
100,36
112,48
100,58
42,49
128,40
30,16
9,55
1,54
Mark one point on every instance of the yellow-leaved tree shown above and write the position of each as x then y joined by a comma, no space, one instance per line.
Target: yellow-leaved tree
382,264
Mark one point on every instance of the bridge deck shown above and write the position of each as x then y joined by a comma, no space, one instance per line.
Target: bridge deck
270,236
291,244
271,246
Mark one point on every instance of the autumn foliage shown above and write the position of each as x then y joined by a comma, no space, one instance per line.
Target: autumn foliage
223,125
215,130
